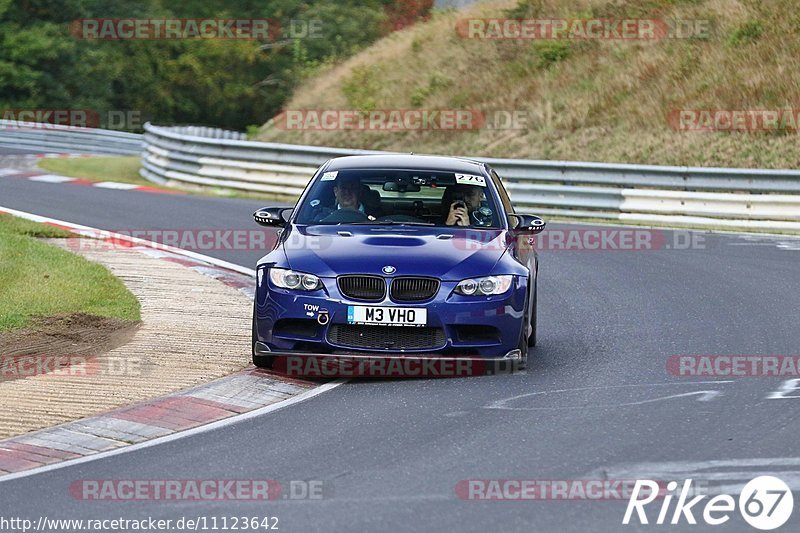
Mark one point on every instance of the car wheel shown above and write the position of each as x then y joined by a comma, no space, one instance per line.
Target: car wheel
522,363
523,347
261,361
532,337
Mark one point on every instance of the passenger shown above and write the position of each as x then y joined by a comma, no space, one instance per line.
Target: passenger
460,201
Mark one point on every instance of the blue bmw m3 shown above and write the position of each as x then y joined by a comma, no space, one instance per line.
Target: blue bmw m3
398,256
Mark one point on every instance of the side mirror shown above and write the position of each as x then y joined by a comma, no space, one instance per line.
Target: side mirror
272,216
527,223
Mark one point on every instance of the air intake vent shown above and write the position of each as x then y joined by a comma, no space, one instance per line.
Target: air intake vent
414,289
386,337
367,288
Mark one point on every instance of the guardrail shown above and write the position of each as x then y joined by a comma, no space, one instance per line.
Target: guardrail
691,196
213,157
55,138
173,154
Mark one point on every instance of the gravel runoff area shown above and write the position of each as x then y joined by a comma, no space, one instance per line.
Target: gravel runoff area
194,329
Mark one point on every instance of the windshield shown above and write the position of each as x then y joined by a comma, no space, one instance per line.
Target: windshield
406,197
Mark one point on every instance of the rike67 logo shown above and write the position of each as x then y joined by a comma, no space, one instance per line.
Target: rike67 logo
765,503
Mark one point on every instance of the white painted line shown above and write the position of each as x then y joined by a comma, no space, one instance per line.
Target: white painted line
705,395
179,435
752,243
77,228
732,474
51,178
685,467
695,220
9,171
116,185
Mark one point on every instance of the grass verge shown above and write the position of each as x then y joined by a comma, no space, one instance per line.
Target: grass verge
122,169
37,279
125,169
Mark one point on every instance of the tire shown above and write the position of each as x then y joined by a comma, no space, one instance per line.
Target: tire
523,361
523,347
532,338
261,361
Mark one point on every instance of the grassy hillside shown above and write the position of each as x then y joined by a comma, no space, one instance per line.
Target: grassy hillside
592,100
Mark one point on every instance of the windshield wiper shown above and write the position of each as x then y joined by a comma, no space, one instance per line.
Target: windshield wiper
392,223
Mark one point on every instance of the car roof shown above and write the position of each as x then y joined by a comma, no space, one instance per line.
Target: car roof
405,162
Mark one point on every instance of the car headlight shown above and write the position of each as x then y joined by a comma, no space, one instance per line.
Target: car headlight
289,279
484,286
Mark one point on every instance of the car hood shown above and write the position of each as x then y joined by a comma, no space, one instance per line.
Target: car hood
444,253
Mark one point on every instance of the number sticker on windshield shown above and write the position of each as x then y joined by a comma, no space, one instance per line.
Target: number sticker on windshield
469,179
330,176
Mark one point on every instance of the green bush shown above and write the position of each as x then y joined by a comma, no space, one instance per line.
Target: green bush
551,52
747,32
362,85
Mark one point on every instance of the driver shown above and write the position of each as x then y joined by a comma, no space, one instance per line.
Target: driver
463,199
346,191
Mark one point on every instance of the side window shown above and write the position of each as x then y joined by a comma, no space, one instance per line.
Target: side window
507,206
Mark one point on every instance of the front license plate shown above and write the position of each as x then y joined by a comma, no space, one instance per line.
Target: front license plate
387,316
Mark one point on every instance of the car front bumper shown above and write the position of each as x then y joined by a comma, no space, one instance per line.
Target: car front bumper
316,323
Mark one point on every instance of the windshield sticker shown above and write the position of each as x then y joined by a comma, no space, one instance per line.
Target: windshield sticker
469,179
330,176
